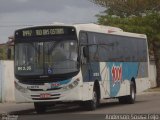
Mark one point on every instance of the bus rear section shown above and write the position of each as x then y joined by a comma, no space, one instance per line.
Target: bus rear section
117,64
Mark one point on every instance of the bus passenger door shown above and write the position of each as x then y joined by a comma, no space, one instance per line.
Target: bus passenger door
85,66
86,75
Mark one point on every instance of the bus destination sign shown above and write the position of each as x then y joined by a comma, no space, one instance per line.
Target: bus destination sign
42,32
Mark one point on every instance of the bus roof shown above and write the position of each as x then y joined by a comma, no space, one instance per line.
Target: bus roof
107,29
129,34
97,28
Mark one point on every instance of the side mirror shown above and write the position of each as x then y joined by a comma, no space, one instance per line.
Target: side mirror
85,52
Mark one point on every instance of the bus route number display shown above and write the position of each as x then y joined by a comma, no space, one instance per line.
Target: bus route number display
42,32
24,68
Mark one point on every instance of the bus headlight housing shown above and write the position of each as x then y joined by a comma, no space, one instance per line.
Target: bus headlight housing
71,85
20,88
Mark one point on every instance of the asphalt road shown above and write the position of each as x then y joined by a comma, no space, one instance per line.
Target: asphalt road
145,104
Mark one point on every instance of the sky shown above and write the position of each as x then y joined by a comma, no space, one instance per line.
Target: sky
15,14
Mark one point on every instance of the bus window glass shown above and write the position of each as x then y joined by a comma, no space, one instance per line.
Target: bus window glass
55,57
29,58
107,47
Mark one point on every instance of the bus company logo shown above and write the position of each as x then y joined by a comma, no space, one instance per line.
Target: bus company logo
116,74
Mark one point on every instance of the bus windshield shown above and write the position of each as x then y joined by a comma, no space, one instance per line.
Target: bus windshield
46,58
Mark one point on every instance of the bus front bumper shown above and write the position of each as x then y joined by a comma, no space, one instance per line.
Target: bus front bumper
50,96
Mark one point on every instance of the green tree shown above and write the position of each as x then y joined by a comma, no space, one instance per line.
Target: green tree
125,8
139,16
2,53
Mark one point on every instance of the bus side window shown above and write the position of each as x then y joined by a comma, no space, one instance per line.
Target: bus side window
83,38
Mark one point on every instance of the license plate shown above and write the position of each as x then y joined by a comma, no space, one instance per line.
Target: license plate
45,95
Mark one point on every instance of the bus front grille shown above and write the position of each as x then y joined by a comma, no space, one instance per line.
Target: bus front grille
45,90
45,98
51,97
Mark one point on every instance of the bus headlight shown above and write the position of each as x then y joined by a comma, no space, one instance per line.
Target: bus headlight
20,88
71,85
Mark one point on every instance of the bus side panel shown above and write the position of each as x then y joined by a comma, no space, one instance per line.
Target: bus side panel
87,93
104,83
121,74
88,70
142,84
142,81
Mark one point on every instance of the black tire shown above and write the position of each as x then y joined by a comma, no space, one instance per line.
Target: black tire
132,97
92,104
129,99
39,107
122,100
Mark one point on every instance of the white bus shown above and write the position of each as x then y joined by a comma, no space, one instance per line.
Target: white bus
81,63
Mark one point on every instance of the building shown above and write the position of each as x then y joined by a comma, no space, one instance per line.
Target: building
7,49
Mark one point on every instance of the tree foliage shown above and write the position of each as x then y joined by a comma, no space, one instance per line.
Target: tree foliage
2,53
124,8
148,24
139,16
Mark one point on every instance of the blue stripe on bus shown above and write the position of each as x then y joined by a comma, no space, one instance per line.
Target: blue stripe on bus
129,70
59,83
65,81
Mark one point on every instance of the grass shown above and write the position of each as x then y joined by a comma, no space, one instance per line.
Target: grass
156,89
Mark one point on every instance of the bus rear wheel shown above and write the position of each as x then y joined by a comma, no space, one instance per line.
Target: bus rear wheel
129,99
39,107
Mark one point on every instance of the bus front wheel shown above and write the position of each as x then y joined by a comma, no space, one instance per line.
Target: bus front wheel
92,104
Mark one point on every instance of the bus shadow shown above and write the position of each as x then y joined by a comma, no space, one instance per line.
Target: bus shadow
51,110
117,104
72,109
